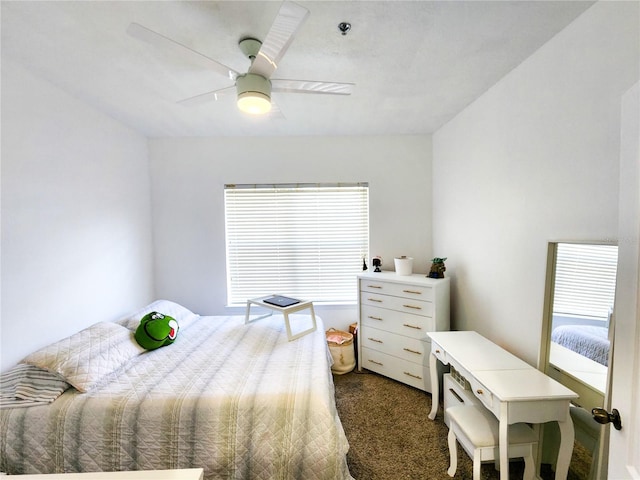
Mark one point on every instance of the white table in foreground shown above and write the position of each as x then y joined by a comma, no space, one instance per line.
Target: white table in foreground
285,311
510,388
180,474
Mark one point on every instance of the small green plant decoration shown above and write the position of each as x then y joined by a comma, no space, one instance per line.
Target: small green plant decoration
437,268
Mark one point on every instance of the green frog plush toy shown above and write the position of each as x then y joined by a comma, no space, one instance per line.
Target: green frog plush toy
156,330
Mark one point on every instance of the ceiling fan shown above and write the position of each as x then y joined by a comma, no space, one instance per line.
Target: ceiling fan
254,87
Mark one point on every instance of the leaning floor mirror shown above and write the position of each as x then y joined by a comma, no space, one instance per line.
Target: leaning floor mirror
577,332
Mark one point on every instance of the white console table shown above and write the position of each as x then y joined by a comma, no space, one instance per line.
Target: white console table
507,386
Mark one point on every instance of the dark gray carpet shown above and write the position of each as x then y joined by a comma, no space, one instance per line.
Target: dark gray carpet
391,437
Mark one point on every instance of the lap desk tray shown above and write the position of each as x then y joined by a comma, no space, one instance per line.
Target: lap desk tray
285,306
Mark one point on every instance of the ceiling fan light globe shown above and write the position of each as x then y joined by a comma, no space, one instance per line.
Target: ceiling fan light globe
254,94
254,103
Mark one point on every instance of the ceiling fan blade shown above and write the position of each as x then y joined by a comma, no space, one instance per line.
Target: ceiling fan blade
158,40
275,112
308,86
289,19
207,97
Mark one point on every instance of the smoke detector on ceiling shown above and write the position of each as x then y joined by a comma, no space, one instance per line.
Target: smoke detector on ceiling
344,27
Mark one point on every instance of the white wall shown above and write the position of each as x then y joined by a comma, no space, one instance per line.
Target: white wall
76,219
533,160
188,178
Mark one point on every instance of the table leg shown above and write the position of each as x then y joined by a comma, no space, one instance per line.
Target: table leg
287,324
567,436
435,387
247,315
504,443
313,327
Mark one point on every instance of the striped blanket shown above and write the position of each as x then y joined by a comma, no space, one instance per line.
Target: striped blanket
240,401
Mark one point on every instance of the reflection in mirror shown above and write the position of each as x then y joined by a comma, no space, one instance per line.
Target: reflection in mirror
582,307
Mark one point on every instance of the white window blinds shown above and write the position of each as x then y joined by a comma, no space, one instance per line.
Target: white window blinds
305,241
585,279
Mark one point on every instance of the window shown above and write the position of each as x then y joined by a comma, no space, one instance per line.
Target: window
585,280
306,241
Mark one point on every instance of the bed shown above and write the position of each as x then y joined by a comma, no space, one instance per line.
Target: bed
240,401
587,340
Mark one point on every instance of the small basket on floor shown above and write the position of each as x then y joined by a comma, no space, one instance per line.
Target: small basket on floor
341,347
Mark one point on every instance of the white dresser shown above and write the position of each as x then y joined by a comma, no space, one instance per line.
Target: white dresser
395,314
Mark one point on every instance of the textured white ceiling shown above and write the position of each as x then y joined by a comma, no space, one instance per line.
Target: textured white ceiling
416,64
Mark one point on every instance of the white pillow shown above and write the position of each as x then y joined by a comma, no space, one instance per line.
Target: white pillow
87,357
181,314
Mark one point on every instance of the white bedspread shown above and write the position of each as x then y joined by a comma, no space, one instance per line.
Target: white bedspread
587,340
238,400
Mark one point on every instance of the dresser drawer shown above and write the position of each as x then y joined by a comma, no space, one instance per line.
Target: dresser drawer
402,370
406,305
410,349
407,324
417,292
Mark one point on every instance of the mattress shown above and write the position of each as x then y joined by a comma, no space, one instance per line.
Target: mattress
240,401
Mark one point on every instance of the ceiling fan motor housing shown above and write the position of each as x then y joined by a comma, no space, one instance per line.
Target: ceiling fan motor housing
251,88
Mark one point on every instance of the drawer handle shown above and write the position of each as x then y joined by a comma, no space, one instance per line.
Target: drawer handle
415,292
375,300
411,326
437,351
455,394
375,340
412,351
480,391
377,363
411,306
374,286
374,318
412,375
